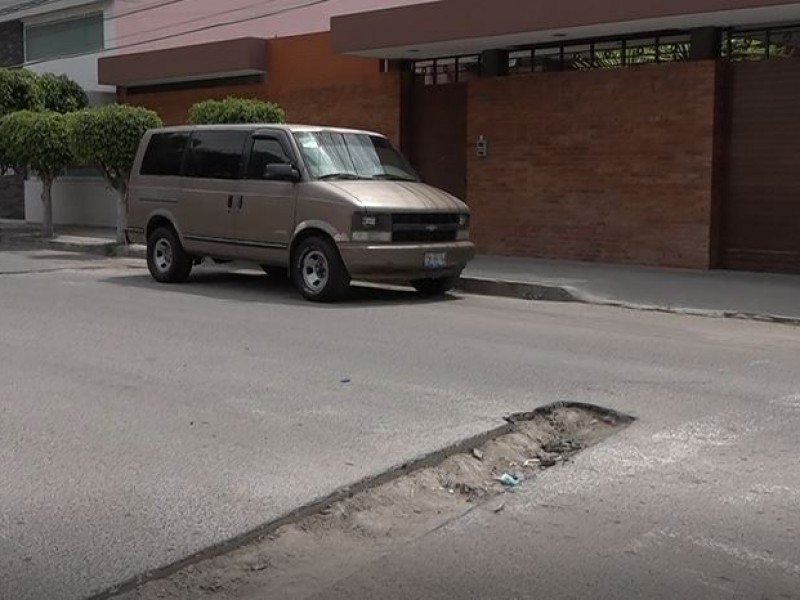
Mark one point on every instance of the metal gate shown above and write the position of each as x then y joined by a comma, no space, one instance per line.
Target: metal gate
438,130
761,208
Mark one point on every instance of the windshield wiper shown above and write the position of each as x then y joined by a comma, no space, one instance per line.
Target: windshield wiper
347,176
390,177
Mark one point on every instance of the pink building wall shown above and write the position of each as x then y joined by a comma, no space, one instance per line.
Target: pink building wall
189,22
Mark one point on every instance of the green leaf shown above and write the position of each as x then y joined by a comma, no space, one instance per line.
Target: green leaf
37,140
235,110
107,138
19,90
61,94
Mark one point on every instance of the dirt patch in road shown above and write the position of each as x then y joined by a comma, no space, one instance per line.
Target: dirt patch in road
299,559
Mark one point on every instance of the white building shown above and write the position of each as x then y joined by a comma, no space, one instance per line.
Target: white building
63,37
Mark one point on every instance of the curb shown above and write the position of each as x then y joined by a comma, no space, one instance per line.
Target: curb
518,289
521,290
110,249
482,286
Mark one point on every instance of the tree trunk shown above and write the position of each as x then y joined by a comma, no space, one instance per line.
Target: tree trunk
47,207
122,214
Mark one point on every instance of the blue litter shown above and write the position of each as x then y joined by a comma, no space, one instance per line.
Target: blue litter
509,480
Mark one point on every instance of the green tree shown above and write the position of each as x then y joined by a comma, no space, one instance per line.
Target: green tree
19,90
235,110
39,141
61,94
107,138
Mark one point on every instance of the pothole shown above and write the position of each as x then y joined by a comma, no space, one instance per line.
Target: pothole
338,537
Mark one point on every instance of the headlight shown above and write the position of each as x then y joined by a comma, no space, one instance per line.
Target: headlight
372,228
463,227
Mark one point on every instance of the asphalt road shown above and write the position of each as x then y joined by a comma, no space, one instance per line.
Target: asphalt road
140,423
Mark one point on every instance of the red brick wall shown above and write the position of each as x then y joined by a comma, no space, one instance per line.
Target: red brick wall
311,83
371,105
173,106
612,165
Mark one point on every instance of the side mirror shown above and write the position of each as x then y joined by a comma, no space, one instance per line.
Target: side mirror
282,172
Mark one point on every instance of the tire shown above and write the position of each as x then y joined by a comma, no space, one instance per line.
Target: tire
434,287
318,271
166,258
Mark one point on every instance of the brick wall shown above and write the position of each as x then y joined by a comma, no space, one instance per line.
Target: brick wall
173,105
11,44
372,105
612,166
311,83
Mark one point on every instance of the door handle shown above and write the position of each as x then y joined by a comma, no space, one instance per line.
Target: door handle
241,202
230,203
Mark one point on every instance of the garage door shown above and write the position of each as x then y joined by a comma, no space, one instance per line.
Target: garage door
761,207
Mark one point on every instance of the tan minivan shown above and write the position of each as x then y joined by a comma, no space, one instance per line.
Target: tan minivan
328,205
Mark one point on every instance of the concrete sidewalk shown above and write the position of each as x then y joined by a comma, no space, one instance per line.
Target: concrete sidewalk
709,293
728,294
92,240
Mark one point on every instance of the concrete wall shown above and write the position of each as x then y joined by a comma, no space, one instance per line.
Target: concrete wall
76,201
606,165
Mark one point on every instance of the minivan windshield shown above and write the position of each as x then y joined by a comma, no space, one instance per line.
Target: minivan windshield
333,155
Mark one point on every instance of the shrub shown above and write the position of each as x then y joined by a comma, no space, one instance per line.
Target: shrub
39,141
107,138
235,110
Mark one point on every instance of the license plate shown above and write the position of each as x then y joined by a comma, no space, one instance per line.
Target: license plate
435,260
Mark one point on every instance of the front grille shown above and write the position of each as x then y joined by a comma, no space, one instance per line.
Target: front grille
425,219
424,236
424,227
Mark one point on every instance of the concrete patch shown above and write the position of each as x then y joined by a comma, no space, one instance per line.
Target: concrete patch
321,542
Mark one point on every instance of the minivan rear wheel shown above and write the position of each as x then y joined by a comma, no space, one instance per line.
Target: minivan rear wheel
434,287
166,258
318,271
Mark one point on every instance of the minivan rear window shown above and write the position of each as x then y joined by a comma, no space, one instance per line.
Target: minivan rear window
216,154
164,154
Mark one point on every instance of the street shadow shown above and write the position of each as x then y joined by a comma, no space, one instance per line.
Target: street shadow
68,256
239,286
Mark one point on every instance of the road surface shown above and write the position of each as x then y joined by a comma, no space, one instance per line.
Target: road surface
140,423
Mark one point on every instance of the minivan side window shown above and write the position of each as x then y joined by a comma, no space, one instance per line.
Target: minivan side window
266,151
216,154
164,154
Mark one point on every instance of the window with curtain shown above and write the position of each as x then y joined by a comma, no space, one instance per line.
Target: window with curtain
80,35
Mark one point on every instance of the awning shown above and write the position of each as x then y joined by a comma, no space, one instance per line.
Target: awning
455,27
216,60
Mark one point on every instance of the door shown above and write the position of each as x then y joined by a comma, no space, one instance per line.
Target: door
439,135
209,191
265,210
761,210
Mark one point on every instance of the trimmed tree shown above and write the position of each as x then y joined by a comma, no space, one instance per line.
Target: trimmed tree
19,90
107,138
60,94
235,110
39,141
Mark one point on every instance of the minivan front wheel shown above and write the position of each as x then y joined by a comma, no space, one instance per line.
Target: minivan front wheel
166,258
319,272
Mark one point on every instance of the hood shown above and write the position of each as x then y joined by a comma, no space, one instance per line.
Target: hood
399,196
